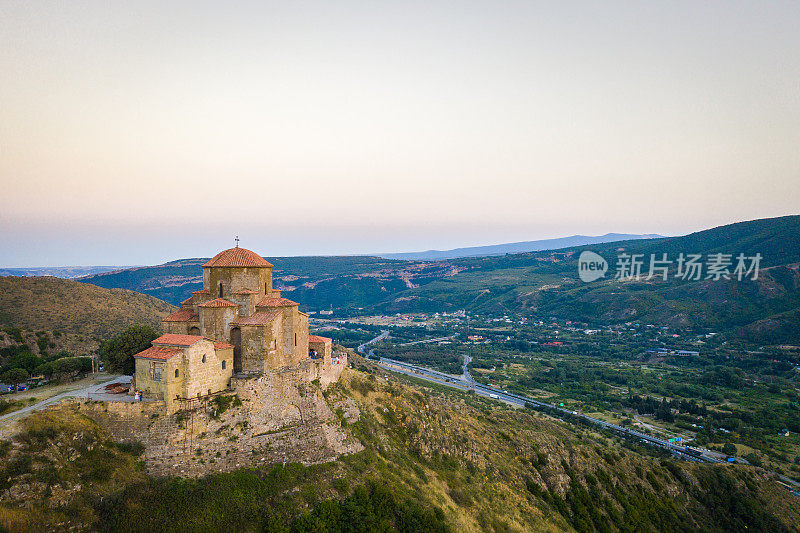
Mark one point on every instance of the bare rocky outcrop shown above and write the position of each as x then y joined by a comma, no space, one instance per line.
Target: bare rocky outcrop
275,417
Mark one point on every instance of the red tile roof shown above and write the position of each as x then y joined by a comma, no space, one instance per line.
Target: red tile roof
188,301
184,314
202,291
219,302
259,318
317,338
158,352
276,302
237,257
177,340
244,291
221,345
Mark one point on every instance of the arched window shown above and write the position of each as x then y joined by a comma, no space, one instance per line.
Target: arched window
204,358
223,364
176,372
265,289
220,289
295,339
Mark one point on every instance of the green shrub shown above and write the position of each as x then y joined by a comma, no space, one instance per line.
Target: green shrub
220,404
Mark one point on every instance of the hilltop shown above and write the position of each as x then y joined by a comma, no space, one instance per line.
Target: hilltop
72,313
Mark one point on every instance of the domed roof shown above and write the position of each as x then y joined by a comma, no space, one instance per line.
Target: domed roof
237,257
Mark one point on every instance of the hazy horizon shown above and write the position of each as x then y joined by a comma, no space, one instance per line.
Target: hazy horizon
142,133
211,254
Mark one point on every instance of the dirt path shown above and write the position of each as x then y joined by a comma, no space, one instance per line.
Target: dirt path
95,389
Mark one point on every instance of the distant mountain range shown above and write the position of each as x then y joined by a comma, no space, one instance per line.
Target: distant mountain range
66,272
517,247
541,283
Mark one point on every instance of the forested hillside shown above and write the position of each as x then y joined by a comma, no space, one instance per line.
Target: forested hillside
541,283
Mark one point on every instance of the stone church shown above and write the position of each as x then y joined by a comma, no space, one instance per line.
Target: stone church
236,328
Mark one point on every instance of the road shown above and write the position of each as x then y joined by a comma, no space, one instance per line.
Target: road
383,335
437,339
95,391
655,429
467,383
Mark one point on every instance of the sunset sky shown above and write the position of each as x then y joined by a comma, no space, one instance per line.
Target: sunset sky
141,132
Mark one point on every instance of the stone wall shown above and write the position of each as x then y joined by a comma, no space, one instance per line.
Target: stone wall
329,367
257,341
202,369
257,279
246,302
199,373
215,322
163,385
282,417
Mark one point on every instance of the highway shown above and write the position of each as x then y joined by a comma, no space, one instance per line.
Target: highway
383,335
426,341
468,383
465,382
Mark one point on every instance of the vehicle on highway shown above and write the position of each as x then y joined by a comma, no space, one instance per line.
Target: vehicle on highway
692,451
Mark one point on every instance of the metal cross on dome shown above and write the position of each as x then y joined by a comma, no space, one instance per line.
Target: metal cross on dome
237,241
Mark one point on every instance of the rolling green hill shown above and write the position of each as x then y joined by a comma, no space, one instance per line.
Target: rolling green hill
73,308
546,284
317,282
540,283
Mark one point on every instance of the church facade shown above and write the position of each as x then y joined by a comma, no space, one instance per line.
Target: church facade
237,326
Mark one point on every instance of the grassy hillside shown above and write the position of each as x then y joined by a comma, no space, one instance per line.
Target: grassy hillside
70,307
433,460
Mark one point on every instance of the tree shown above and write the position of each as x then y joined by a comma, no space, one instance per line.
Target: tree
14,376
118,352
729,448
47,369
26,360
68,366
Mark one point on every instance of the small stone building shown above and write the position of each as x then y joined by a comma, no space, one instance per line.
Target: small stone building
184,366
237,325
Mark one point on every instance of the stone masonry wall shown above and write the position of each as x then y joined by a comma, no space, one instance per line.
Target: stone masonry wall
282,417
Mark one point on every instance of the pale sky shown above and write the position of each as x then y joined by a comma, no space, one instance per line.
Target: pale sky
141,132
